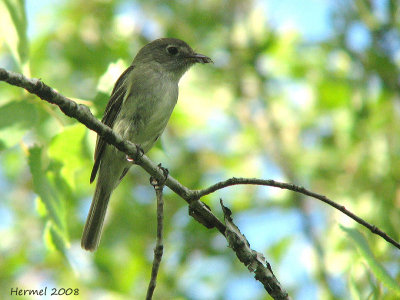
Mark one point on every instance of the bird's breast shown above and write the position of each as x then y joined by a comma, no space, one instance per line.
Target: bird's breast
147,109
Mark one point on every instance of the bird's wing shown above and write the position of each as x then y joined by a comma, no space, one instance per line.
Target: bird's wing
112,110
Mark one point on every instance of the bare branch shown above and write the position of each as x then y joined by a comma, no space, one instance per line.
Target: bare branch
252,259
159,248
197,209
298,189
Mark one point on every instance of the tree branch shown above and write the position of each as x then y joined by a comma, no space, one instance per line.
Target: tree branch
159,248
298,189
253,260
197,209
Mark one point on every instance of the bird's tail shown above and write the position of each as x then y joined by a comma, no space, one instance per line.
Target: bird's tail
94,222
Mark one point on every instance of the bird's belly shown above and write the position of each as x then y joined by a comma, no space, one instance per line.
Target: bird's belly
146,133
147,122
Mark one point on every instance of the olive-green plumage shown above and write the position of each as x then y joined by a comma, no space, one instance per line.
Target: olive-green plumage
139,108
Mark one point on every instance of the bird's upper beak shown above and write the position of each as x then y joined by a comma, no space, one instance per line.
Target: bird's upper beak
200,58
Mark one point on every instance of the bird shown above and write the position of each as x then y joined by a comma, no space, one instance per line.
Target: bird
139,109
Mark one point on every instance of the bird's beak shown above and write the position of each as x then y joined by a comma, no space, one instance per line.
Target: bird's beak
200,58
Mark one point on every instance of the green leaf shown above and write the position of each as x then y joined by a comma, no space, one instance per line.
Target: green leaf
107,80
54,238
43,188
67,148
278,250
363,248
333,93
13,25
354,290
16,118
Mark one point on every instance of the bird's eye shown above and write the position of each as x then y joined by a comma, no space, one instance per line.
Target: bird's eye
172,50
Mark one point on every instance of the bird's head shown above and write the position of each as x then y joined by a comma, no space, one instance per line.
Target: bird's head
172,55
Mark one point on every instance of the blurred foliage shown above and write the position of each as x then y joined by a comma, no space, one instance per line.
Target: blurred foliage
319,112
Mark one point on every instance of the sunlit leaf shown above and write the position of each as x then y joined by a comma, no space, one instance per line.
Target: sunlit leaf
354,290
43,188
279,249
333,93
67,148
13,25
16,119
54,239
107,80
365,251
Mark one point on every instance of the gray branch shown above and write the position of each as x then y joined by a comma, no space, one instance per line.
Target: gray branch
159,248
197,209
253,260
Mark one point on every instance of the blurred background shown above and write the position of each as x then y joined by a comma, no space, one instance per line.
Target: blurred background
303,93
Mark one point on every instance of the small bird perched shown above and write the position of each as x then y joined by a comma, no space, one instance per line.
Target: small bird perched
139,108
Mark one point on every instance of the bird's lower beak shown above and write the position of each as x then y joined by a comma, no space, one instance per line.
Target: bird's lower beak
200,58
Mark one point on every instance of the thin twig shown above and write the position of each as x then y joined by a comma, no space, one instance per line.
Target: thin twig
159,248
299,189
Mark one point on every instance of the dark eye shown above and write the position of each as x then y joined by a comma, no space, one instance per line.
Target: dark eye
172,50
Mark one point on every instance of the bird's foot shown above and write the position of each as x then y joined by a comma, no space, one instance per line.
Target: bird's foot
139,154
165,172
157,183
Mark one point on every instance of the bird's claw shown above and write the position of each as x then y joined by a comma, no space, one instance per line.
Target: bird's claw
165,172
156,183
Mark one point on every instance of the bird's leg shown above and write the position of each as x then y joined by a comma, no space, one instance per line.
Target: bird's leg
139,154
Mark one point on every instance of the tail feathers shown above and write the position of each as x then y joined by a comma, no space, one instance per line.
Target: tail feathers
94,223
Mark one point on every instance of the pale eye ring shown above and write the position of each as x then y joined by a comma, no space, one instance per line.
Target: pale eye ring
172,50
